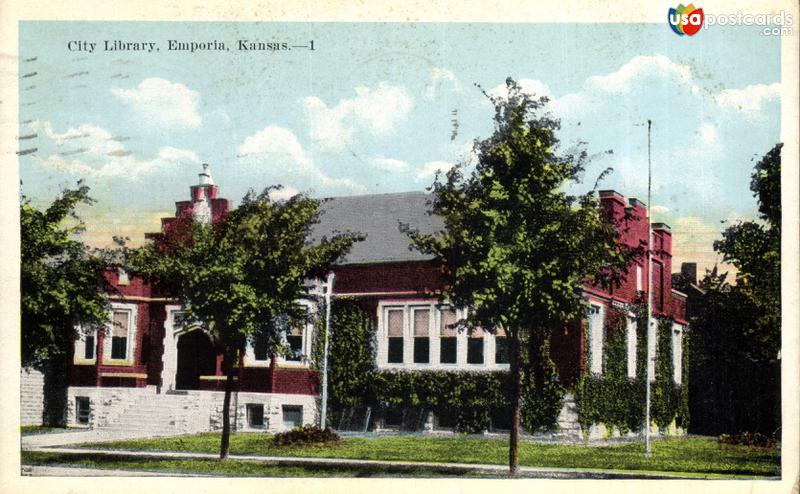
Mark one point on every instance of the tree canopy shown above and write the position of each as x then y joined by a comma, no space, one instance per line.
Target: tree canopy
517,248
62,287
242,276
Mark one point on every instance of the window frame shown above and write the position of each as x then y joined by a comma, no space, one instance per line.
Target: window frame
632,342
595,334
130,339
79,350
407,307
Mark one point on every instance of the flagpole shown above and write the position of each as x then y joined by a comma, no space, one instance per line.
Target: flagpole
328,292
647,451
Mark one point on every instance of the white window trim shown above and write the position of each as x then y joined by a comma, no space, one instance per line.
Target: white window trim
677,353
632,339
652,349
639,278
130,345
304,362
80,348
596,333
431,318
434,322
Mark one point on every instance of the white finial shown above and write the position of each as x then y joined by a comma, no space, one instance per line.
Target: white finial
205,176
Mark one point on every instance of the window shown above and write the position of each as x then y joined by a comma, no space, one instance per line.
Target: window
394,325
260,349
422,339
501,347
88,351
448,341
255,415
677,353
119,334
294,339
292,416
85,346
83,409
475,347
651,350
639,278
631,328
595,321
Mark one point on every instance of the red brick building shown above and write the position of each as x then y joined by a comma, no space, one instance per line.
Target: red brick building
150,364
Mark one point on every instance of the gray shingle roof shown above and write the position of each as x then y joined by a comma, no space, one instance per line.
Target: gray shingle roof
377,217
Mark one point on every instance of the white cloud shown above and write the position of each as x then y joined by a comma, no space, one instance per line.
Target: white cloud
94,153
283,194
658,209
278,149
638,71
533,87
390,164
376,111
439,77
165,103
749,99
430,168
167,161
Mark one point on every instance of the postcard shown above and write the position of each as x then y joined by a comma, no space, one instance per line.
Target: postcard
476,243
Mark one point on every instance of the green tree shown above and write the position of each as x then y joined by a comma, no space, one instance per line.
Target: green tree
754,248
517,248
735,335
62,291
242,276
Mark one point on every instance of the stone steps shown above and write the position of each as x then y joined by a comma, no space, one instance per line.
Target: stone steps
158,415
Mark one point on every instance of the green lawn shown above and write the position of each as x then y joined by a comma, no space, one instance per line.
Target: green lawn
685,455
229,467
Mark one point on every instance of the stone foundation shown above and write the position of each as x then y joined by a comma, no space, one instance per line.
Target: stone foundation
187,412
31,397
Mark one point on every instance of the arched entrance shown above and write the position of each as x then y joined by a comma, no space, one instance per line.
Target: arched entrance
196,357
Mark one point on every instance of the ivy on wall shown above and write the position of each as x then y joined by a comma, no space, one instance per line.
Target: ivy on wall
617,400
470,398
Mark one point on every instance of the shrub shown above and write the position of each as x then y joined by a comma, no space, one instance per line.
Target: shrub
755,439
306,435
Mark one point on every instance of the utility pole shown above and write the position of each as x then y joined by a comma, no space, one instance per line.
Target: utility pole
328,292
647,452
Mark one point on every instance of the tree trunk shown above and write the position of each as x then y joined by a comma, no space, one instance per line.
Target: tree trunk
516,385
55,391
227,365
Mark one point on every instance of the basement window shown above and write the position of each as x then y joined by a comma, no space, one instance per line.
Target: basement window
83,410
255,415
292,416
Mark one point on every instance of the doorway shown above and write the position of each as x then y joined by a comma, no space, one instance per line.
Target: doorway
196,357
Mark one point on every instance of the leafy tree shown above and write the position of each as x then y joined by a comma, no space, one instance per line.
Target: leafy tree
62,289
735,335
242,276
516,247
754,248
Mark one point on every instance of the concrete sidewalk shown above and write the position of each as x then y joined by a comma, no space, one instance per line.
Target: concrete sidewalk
400,466
73,437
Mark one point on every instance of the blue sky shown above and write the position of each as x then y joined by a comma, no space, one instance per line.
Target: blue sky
370,110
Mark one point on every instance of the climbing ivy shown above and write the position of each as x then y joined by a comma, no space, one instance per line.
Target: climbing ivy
617,400
470,397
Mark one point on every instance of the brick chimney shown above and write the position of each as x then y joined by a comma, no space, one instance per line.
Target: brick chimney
689,271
